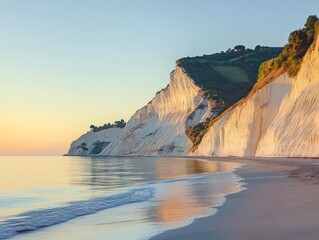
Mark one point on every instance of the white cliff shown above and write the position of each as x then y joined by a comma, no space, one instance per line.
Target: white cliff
159,127
94,142
281,119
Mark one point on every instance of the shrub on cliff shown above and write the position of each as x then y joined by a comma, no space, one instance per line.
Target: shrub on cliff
98,146
117,124
196,132
291,56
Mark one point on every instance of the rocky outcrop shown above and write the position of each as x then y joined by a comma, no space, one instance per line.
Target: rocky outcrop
93,143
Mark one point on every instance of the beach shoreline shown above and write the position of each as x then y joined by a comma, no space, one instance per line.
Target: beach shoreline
280,202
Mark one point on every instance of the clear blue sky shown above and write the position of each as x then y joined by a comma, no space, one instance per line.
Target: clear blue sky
68,64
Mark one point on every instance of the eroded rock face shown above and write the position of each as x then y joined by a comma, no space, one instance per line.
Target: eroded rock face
281,119
93,143
159,128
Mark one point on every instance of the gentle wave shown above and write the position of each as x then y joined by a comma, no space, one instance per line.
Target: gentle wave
33,220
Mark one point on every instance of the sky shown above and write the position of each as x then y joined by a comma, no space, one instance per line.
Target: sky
65,65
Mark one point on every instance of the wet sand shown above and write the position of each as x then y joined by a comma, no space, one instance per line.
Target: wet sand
281,202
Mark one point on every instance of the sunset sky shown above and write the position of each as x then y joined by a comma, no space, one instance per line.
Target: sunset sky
68,64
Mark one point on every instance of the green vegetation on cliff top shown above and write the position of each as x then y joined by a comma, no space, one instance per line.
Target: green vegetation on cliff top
228,75
116,124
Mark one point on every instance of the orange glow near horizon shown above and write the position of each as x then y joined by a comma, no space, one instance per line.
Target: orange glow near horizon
24,131
29,147
37,136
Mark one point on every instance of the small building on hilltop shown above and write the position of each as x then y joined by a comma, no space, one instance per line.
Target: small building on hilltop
240,48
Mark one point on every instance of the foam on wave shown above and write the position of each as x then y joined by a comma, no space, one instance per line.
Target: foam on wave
33,220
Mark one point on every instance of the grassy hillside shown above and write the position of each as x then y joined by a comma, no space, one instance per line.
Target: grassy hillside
229,75
236,74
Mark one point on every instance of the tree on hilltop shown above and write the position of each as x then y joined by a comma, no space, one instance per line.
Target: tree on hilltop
310,23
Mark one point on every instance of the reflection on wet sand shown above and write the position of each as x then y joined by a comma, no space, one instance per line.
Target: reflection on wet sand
175,208
192,199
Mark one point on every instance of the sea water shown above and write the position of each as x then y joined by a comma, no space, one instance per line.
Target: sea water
127,198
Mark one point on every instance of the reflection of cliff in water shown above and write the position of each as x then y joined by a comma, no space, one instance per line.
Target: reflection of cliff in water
170,168
101,172
112,172
175,202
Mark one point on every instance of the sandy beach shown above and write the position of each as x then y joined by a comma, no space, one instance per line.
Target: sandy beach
281,202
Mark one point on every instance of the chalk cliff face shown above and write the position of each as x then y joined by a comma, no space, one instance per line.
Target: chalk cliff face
159,127
94,142
281,119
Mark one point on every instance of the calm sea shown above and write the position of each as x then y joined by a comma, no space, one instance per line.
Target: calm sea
106,197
